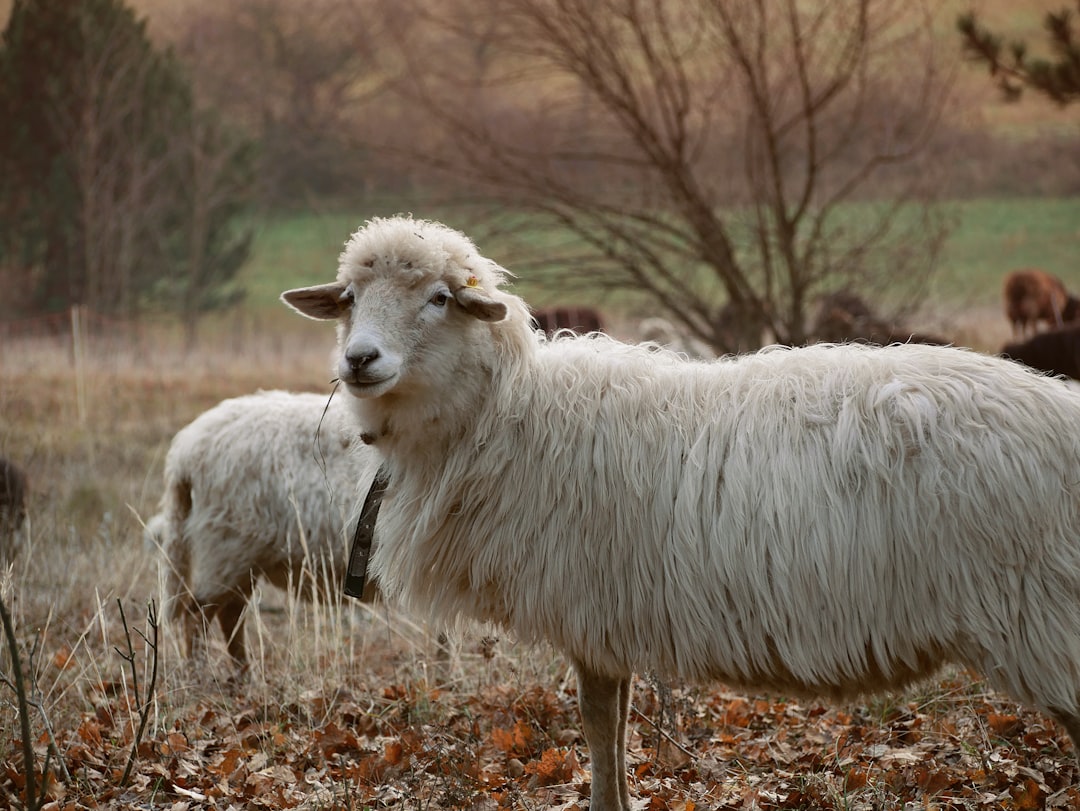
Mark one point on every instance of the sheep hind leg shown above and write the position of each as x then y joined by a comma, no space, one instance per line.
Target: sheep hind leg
1071,722
191,618
620,755
603,704
230,615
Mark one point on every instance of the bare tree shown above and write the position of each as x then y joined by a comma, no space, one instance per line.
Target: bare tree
88,92
290,74
726,162
217,185
159,185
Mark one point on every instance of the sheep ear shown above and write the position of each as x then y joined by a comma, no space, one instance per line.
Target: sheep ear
478,304
323,302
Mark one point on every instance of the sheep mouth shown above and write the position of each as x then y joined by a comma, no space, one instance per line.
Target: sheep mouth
364,387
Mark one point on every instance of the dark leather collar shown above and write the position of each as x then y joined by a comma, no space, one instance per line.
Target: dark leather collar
360,553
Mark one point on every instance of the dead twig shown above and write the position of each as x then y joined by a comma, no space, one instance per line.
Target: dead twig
17,683
129,657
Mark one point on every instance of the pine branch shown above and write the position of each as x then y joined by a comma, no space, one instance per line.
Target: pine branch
1013,68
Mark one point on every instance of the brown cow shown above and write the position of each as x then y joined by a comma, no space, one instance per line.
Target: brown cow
1055,351
1033,296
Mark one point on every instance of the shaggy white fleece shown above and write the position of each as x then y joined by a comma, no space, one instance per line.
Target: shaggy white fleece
831,519
259,485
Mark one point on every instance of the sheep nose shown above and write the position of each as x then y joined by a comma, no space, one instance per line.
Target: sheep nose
358,359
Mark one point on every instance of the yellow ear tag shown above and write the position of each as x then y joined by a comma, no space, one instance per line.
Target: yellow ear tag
472,281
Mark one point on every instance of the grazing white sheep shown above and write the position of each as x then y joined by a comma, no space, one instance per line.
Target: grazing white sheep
825,520
660,331
259,485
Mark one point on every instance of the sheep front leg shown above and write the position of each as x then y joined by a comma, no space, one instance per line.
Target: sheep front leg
190,620
620,755
604,704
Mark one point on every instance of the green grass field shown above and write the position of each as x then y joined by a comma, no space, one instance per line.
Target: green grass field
992,236
996,236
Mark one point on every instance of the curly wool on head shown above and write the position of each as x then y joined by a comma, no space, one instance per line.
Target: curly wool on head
833,519
415,250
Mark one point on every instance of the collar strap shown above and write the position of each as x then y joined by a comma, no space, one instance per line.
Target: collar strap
364,535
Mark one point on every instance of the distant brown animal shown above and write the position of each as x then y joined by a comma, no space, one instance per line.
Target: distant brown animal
1034,296
843,316
12,508
1055,351
580,320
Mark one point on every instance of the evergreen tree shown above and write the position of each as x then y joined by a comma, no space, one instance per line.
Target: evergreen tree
1014,68
96,172
33,233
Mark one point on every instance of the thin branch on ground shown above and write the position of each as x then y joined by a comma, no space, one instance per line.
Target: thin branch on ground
143,703
17,683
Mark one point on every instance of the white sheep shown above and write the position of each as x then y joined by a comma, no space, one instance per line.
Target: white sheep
825,520
259,485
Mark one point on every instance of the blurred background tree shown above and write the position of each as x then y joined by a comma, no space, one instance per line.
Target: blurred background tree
116,190
293,75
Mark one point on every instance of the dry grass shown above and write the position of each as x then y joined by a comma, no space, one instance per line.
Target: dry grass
92,436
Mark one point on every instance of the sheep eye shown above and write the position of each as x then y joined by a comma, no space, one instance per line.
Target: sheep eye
440,298
346,296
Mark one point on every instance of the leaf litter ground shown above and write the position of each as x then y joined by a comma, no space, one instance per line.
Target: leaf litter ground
496,727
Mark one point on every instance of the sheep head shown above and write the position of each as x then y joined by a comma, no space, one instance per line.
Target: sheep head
412,299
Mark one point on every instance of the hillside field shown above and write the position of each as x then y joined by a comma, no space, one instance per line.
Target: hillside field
351,707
